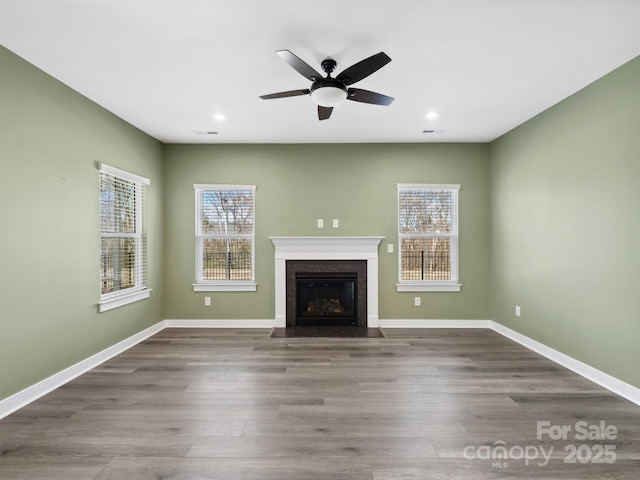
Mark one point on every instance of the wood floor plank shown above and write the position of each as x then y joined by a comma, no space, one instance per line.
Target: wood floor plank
65,468
132,428
289,468
294,446
95,445
351,427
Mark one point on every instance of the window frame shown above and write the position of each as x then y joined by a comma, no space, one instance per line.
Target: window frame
140,290
202,285
451,285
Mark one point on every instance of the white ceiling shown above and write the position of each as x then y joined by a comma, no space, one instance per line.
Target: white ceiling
169,66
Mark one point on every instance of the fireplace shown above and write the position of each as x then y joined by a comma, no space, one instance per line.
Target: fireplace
332,248
326,293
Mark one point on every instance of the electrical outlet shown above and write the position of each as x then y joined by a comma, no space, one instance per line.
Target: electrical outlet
517,310
320,223
336,223
417,301
207,301
390,248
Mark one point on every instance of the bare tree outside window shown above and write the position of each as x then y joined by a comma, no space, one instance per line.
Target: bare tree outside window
123,235
225,234
118,227
427,230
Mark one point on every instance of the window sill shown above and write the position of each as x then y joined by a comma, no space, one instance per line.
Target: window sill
120,300
430,287
225,287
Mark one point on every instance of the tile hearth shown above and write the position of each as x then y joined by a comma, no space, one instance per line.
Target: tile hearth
326,332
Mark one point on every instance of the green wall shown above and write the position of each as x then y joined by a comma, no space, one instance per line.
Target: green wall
547,214
297,184
565,192
50,140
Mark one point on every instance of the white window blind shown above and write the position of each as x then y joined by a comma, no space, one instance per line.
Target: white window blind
225,237
123,237
428,236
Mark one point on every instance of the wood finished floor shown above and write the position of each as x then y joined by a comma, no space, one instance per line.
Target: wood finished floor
238,405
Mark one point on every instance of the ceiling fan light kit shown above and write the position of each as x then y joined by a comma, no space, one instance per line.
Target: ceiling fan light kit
329,96
328,92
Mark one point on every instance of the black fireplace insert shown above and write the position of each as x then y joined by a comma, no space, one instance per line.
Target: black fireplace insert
326,293
326,298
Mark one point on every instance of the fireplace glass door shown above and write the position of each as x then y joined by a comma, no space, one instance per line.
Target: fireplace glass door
326,298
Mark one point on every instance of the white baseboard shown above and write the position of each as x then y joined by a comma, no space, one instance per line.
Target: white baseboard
187,323
32,393
418,323
598,377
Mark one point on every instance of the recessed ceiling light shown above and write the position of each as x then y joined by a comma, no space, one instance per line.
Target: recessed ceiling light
219,116
432,115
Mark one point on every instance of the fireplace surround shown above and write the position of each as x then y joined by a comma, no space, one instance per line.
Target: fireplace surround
334,248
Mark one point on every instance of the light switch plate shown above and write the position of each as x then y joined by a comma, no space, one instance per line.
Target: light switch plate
390,248
320,223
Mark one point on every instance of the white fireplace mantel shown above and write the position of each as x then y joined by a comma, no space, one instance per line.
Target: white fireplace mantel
326,248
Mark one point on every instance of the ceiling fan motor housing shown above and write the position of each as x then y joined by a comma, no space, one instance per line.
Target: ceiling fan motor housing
328,65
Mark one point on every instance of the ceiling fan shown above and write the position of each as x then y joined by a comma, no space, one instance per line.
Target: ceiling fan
328,92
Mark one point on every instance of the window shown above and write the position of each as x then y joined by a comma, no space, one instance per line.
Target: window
428,237
225,241
123,238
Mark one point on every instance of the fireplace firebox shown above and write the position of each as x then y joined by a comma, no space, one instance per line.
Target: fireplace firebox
326,293
326,298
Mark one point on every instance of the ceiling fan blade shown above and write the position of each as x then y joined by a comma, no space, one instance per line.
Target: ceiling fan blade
363,69
365,96
290,93
324,112
299,65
